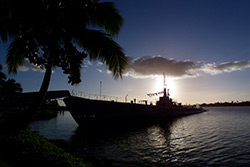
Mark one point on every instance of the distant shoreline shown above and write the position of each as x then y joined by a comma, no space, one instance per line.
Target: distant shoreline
226,104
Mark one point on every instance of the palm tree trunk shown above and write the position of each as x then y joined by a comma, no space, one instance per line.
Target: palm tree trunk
44,88
38,101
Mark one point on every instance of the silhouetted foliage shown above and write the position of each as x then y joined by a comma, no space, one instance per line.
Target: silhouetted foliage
8,86
61,33
29,149
57,32
2,76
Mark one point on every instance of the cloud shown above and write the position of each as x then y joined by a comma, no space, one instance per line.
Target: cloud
153,66
214,69
86,63
99,63
99,70
28,66
109,72
157,65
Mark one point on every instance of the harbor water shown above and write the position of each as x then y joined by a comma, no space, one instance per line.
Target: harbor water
219,137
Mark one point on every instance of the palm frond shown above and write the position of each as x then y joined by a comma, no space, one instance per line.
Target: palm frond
15,56
2,75
101,46
3,35
106,16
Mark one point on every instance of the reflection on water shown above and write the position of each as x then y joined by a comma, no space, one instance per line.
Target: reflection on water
61,127
126,145
219,137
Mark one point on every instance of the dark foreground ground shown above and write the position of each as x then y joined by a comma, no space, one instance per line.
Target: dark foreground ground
26,148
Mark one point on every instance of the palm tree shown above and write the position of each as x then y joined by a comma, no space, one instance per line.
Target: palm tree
2,79
61,33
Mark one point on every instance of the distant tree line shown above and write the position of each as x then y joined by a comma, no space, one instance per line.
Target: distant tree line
243,103
7,85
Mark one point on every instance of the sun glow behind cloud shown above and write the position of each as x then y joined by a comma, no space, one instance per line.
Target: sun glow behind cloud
169,84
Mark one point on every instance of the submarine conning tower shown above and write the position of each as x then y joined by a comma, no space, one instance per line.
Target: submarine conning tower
165,100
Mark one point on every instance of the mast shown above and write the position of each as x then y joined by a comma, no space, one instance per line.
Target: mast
165,91
164,85
100,89
164,80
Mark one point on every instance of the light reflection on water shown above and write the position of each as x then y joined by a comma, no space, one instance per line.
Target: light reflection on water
219,137
61,127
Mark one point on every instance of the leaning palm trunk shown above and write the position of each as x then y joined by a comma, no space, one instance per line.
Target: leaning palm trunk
43,90
33,109
22,119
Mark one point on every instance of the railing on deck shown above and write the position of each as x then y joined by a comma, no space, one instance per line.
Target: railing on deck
97,97
125,99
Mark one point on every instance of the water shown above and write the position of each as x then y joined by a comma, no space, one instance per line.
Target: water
220,137
61,127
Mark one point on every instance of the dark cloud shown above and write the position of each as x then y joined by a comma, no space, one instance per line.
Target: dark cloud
157,65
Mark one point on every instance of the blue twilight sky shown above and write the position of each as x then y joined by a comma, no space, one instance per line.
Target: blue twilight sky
203,47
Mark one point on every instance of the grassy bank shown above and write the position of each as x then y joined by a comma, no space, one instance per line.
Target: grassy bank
25,148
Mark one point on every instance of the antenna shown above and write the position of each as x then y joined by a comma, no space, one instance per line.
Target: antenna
164,80
165,93
100,89
126,97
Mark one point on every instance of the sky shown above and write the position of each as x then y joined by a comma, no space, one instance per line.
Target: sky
203,47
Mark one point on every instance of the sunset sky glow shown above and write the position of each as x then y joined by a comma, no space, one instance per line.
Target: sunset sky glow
203,47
